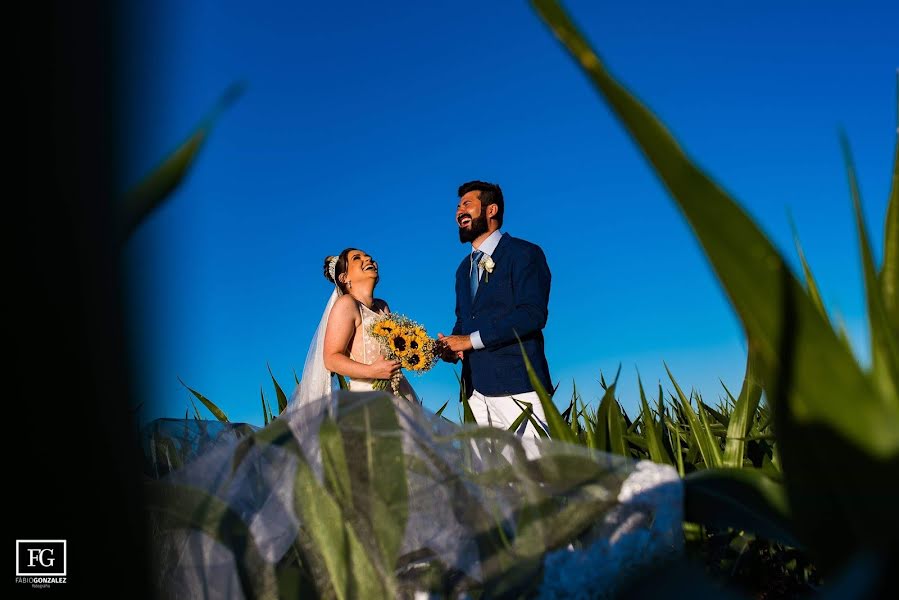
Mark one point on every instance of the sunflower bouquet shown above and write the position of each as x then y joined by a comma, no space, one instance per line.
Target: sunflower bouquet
404,340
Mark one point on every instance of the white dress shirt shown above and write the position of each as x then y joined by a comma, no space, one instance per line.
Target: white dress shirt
488,246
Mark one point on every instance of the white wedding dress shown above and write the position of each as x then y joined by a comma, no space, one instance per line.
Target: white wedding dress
359,494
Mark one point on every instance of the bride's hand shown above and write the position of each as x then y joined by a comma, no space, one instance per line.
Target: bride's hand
383,368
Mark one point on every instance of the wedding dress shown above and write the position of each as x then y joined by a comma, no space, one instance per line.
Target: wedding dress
359,494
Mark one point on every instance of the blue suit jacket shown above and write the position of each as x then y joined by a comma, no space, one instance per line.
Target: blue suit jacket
514,299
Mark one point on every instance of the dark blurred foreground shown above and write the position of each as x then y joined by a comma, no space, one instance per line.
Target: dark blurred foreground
76,477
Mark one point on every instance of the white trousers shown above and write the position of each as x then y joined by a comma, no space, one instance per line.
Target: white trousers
501,412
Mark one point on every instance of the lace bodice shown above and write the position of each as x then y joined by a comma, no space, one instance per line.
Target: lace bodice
370,348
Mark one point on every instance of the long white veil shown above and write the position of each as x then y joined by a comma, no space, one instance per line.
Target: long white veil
316,382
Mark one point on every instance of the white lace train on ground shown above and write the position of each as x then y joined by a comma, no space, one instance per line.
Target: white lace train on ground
407,486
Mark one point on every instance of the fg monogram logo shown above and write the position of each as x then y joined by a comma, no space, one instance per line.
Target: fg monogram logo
40,557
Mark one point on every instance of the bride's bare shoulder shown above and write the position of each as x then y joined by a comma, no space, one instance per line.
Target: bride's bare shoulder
345,300
345,306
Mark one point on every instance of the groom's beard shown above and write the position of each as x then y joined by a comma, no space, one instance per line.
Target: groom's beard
476,228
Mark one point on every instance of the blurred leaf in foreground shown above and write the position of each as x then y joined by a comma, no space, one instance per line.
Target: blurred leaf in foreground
150,193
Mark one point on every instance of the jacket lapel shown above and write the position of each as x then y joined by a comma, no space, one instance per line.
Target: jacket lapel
497,255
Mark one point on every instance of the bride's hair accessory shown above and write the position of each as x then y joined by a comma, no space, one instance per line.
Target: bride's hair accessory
335,266
332,268
331,273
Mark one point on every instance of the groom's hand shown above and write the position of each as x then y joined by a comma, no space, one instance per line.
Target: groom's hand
445,352
458,343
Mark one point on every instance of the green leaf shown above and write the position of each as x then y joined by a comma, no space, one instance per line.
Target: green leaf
526,411
601,419
884,339
743,413
334,462
589,428
755,277
467,415
264,411
179,507
811,286
341,382
720,418
442,408
717,460
630,426
567,413
215,410
575,423
347,564
637,440
604,416
282,399
541,432
738,498
558,428
674,440
373,437
653,436
341,555
196,411
889,272
150,193
617,440
705,440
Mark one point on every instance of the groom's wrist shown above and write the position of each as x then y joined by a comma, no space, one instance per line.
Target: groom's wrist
476,342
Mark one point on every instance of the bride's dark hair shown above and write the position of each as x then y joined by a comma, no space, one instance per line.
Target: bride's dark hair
339,269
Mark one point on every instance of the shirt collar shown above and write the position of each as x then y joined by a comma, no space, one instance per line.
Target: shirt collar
489,245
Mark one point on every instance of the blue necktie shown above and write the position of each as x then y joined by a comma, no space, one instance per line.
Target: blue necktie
473,272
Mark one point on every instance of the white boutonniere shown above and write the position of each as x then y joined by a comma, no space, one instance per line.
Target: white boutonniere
487,264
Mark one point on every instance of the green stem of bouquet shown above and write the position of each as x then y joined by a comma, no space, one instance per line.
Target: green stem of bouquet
393,383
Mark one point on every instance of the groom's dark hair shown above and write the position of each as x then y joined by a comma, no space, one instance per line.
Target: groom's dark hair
490,193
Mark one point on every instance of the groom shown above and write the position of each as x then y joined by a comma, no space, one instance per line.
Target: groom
502,289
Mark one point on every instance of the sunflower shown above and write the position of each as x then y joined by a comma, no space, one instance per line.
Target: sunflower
414,360
398,343
384,328
415,342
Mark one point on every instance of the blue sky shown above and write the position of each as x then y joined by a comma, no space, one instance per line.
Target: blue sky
360,120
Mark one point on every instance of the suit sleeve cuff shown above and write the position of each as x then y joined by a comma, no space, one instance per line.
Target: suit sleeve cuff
476,342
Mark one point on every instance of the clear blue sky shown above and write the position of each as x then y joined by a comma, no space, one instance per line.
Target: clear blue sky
361,119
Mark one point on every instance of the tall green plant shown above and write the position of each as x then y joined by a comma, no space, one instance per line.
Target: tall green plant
837,424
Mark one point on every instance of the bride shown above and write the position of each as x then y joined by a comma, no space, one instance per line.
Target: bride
342,344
